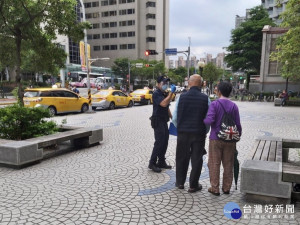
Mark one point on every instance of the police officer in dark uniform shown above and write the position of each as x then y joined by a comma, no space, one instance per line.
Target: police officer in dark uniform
159,122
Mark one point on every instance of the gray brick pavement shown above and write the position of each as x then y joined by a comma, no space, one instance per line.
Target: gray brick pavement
110,183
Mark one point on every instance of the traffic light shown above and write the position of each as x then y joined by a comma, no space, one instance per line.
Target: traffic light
230,78
241,78
150,52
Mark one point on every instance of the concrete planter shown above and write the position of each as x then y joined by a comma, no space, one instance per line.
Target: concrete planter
19,153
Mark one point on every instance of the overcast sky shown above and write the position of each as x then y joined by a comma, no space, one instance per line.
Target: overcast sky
207,22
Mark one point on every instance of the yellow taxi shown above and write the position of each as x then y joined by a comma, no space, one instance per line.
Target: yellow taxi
110,99
143,96
57,100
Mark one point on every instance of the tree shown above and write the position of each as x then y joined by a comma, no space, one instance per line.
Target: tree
28,21
211,73
246,42
288,45
120,67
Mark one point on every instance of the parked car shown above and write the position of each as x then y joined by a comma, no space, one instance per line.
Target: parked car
143,96
57,100
83,83
110,99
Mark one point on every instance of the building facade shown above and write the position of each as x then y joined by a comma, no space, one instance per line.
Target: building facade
126,28
274,9
270,79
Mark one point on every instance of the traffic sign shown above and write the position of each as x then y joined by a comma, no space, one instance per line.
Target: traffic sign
139,65
171,51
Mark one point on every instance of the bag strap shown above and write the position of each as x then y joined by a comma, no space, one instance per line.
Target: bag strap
222,107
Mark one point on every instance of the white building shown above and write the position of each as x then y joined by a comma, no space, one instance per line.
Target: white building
274,9
126,28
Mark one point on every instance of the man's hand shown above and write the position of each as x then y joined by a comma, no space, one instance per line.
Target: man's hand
173,88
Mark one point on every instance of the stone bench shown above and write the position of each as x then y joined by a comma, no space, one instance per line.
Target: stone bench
261,173
18,153
277,102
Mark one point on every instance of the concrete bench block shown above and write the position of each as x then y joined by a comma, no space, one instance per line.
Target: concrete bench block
96,137
19,153
264,178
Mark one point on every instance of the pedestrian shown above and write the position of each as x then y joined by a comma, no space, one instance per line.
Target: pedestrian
219,150
284,97
190,111
159,122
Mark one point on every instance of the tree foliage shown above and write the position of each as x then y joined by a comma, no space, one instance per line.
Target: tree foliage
19,123
246,41
288,45
30,23
211,72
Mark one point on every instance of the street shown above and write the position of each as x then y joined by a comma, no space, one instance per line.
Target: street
111,184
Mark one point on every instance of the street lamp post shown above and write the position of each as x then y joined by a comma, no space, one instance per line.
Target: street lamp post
201,65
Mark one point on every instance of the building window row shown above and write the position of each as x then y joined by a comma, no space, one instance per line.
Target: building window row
150,4
126,11
150,27
126,1
109,13
109,35
108,2
93,36
150,16
91,4
113,47
127,34
95,26
91,15
150,39
110,24
127,23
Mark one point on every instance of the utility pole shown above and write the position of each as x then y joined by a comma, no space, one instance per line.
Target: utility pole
188,58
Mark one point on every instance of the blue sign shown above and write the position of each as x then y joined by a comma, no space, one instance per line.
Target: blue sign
171,51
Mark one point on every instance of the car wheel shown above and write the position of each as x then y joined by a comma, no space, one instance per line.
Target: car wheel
52,110
94,108
111,105
130,104
84,85
84,108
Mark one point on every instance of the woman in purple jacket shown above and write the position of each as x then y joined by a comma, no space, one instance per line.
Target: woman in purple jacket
221,151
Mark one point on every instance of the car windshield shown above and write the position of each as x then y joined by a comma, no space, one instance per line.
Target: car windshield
102,93
30,94
139,92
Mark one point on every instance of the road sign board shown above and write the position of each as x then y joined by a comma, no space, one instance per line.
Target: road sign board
171,51
139,65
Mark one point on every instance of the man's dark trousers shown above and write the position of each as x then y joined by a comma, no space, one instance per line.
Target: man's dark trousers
161,135
189,146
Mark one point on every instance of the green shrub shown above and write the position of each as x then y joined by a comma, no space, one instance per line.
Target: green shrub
19,123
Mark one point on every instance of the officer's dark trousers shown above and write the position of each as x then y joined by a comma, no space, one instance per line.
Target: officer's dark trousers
189,146
161,135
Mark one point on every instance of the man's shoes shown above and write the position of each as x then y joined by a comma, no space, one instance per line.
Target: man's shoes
163,165
214,193
192,190
179,186
154,168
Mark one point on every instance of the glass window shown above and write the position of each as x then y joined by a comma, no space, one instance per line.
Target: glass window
123,46
105,25
115,93
113,24
150,16
31,94
150,39
123,34
131,22
112,13
131,34
95,15
113,35
114,47
95,25
104,14
150,27
104,3
122,23
130,11
106,35
97,48
112,2
69,94
131,46
122,94
95,4
122,1
150,4
122,12
58,94
96,36
105,47
89,37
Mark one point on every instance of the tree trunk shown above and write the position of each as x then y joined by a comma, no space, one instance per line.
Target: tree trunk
18,70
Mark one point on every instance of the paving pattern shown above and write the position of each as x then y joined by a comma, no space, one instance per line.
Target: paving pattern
111,184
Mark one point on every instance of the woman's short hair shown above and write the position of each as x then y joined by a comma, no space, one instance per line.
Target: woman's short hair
225,88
